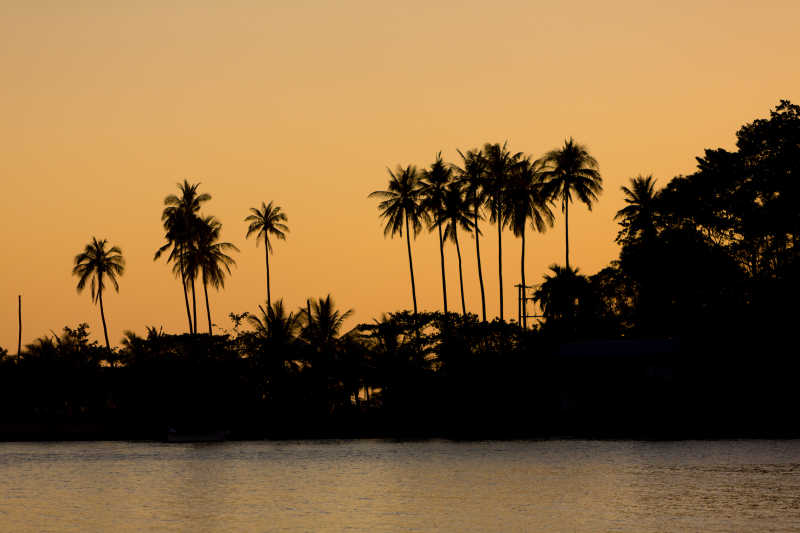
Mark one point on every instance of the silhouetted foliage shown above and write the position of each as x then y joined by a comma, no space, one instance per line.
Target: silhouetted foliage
687,334
181,224
571,171
401,204
98,264
269,220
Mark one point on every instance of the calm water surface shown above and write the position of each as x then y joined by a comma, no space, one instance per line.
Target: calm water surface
365,485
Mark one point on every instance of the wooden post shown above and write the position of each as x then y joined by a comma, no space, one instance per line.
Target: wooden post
19,316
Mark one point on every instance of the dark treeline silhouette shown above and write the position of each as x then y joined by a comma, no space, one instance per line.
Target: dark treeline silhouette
687,334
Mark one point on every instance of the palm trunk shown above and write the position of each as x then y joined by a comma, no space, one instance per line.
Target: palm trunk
103,318
500,258
523,288
566,231
441,257
208,309
266,254
460,276
185,290
480,271
194,307
411,268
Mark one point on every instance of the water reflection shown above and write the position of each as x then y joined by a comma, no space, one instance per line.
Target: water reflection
401,486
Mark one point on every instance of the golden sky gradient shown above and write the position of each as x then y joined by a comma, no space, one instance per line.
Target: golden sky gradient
105,106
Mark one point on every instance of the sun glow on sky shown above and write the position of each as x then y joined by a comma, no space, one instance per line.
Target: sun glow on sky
105,106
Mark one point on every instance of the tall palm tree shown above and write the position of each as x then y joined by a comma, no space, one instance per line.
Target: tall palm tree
637,218
433,189
526,201
500,165
100,264
269,220
456,212
211,258
180,222
571,170
472,176
400,205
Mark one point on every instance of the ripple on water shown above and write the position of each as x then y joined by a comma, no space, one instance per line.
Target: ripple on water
401,486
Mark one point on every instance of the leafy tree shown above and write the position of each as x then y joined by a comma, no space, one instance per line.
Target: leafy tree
472,176
569,171
269,220
401,205
745,200
99,264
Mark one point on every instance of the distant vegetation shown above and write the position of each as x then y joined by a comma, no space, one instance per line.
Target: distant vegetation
709,261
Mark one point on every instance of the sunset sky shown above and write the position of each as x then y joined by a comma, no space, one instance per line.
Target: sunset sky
106,105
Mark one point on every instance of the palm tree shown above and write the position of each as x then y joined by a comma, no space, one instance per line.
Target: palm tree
571,170
269,220
400,205
456,212
560,293
499,167
525,200
275,325
210,257
433,189
99,264
472,176
322,323
637,218
180,222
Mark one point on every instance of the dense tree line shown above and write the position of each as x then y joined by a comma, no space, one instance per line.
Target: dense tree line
705,279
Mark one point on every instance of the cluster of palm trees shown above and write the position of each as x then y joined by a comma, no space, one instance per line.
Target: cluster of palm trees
194,246
514,189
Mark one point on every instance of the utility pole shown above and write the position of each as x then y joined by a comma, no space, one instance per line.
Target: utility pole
19,316
522,304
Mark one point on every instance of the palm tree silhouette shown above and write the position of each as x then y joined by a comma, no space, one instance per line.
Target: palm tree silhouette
400,204
499,167
269,220
433,189
210,257
571,170
322,322
456,212
98,263
274,324
637,218
559,294
180,222
525,200
472,176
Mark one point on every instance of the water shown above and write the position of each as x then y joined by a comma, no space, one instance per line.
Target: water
571,486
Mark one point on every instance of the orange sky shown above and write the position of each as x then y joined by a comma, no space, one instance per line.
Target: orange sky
105,108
